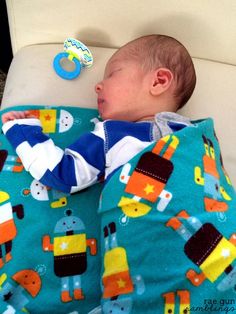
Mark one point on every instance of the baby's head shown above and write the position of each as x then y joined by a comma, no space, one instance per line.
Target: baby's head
148,75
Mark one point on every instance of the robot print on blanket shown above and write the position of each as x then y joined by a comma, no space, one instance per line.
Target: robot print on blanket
69,248
41,192
214,254
215,194
171,299
10,163
18,290
148,180
116,278
7,225
54,120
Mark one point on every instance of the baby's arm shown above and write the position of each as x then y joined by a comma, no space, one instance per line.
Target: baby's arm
69,170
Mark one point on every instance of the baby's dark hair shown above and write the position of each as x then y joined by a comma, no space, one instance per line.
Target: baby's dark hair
156,51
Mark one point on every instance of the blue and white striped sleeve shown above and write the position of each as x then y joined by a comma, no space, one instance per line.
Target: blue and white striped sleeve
78,166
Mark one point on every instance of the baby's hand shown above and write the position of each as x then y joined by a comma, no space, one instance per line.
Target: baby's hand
12,115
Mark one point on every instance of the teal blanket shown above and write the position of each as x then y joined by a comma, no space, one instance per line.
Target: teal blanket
162,241
36,229
169,229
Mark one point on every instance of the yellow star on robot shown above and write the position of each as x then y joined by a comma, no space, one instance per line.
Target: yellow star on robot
121,283
149,189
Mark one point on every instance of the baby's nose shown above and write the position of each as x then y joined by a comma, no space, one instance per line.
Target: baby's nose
98,87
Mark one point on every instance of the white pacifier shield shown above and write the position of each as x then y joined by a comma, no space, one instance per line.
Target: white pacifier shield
79,51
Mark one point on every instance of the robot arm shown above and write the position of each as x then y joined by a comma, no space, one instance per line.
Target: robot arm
124,176
165,198
195,278
198,176
233,239
47,246
19,210
224,194
92,244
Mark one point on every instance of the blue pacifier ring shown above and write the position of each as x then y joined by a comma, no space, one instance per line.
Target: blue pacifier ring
67,75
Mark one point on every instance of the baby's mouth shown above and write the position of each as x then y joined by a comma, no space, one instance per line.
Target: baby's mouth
100,101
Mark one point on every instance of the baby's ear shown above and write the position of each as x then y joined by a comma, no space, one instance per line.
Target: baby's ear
161,81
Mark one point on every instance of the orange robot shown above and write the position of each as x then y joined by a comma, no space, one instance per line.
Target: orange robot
7,225
116,277
14,293
149,179
214,193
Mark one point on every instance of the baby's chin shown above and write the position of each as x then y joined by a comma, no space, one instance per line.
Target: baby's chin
105,115
101,114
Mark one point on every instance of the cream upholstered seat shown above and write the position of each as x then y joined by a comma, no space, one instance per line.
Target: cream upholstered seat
207,28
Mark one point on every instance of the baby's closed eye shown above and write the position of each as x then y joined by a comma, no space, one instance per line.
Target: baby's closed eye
113,72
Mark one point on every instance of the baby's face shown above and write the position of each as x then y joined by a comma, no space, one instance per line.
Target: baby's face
121,94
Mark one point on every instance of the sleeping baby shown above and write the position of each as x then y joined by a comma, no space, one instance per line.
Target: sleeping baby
167,207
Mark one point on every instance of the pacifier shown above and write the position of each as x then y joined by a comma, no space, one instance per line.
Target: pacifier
78,54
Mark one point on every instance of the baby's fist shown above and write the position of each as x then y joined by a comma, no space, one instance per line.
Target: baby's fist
12,115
